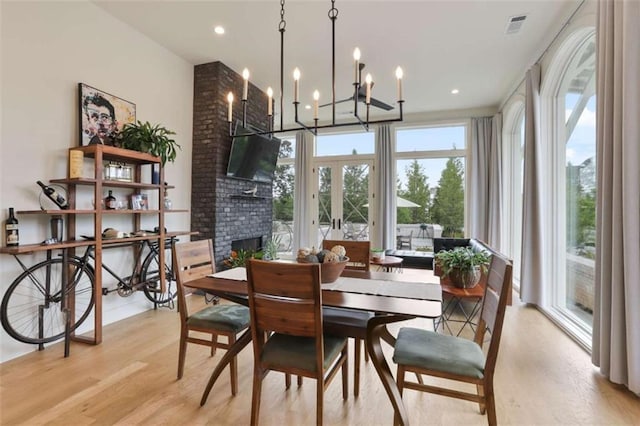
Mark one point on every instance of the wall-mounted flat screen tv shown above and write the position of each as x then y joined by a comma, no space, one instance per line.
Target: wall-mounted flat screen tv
253,157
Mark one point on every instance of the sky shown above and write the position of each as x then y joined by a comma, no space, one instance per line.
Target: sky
581,145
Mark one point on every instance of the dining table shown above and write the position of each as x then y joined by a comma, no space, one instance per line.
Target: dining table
393,297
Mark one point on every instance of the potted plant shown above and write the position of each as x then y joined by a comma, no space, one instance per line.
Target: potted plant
462,265
238,258
270,250
152,139
377,254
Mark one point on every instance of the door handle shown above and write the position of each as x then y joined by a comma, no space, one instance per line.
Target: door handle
333,224
339,224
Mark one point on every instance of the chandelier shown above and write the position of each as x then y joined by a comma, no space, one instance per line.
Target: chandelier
360,91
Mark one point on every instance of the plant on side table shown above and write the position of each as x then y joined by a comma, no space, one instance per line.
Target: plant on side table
377,254
462,265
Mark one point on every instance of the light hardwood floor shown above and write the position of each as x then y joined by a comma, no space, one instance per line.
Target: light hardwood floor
543,378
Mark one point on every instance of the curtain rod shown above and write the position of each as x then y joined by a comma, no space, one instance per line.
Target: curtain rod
564,26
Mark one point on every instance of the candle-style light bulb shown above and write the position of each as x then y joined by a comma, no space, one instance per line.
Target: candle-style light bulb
356,58
230,113
316,97
245,88
296,79
270,102
368,81
399,75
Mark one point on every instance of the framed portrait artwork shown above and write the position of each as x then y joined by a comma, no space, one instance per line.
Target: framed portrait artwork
102,115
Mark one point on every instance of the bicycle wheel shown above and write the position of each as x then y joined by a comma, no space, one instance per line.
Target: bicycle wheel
31,311
150,274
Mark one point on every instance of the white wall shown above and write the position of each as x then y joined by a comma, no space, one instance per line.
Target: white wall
47,49
584,17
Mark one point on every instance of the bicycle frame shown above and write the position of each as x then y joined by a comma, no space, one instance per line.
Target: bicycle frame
128,282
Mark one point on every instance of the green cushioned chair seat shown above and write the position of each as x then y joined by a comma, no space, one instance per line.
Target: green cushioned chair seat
221,317
450,354
299,352
335,319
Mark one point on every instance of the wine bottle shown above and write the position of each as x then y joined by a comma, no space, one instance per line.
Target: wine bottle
110,201
54,196
12,236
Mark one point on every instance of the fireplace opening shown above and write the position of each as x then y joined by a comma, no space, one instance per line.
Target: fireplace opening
248,244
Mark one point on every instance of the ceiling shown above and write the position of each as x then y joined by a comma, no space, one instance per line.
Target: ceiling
441,45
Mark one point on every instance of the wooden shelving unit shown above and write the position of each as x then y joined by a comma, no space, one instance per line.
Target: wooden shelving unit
100,153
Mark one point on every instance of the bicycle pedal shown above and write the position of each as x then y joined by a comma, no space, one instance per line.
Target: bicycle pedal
105,291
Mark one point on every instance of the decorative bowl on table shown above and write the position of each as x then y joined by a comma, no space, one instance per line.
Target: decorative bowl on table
329,271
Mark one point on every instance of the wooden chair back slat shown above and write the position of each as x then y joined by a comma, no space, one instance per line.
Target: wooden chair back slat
271,316
196,272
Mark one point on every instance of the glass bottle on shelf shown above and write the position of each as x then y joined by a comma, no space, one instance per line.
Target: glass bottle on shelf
53,195
110,201
12,236
167,201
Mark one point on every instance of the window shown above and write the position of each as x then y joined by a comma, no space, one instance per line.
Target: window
513,142
568,96
578,91
283,186
342,165
345,144
430,184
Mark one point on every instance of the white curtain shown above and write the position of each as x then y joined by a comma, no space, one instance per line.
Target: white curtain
385,199
532,255
301,193
486,179
616,316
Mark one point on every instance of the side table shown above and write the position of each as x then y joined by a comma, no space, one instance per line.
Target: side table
388,263
452,301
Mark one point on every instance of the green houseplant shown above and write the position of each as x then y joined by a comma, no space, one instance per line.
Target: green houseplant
270,250
152,139
462,265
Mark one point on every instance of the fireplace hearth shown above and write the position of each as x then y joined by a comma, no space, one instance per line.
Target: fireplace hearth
247,244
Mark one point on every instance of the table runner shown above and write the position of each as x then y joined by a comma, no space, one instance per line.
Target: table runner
237,274
402,289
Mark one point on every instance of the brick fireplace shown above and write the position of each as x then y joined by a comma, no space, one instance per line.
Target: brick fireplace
219,209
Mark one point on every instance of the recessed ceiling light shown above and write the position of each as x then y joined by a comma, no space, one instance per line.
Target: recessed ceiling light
219,30
307,106
455,91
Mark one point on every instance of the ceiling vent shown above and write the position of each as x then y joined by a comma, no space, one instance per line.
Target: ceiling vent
515,23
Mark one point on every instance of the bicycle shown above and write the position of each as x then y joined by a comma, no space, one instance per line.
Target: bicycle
33,308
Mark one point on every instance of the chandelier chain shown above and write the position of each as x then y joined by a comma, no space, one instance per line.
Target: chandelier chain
333,12
283,23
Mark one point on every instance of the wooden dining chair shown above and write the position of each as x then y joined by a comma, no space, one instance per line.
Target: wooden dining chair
349,322
358,252
455,358
287,330
193,260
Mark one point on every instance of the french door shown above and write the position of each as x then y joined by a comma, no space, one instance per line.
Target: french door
343,188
